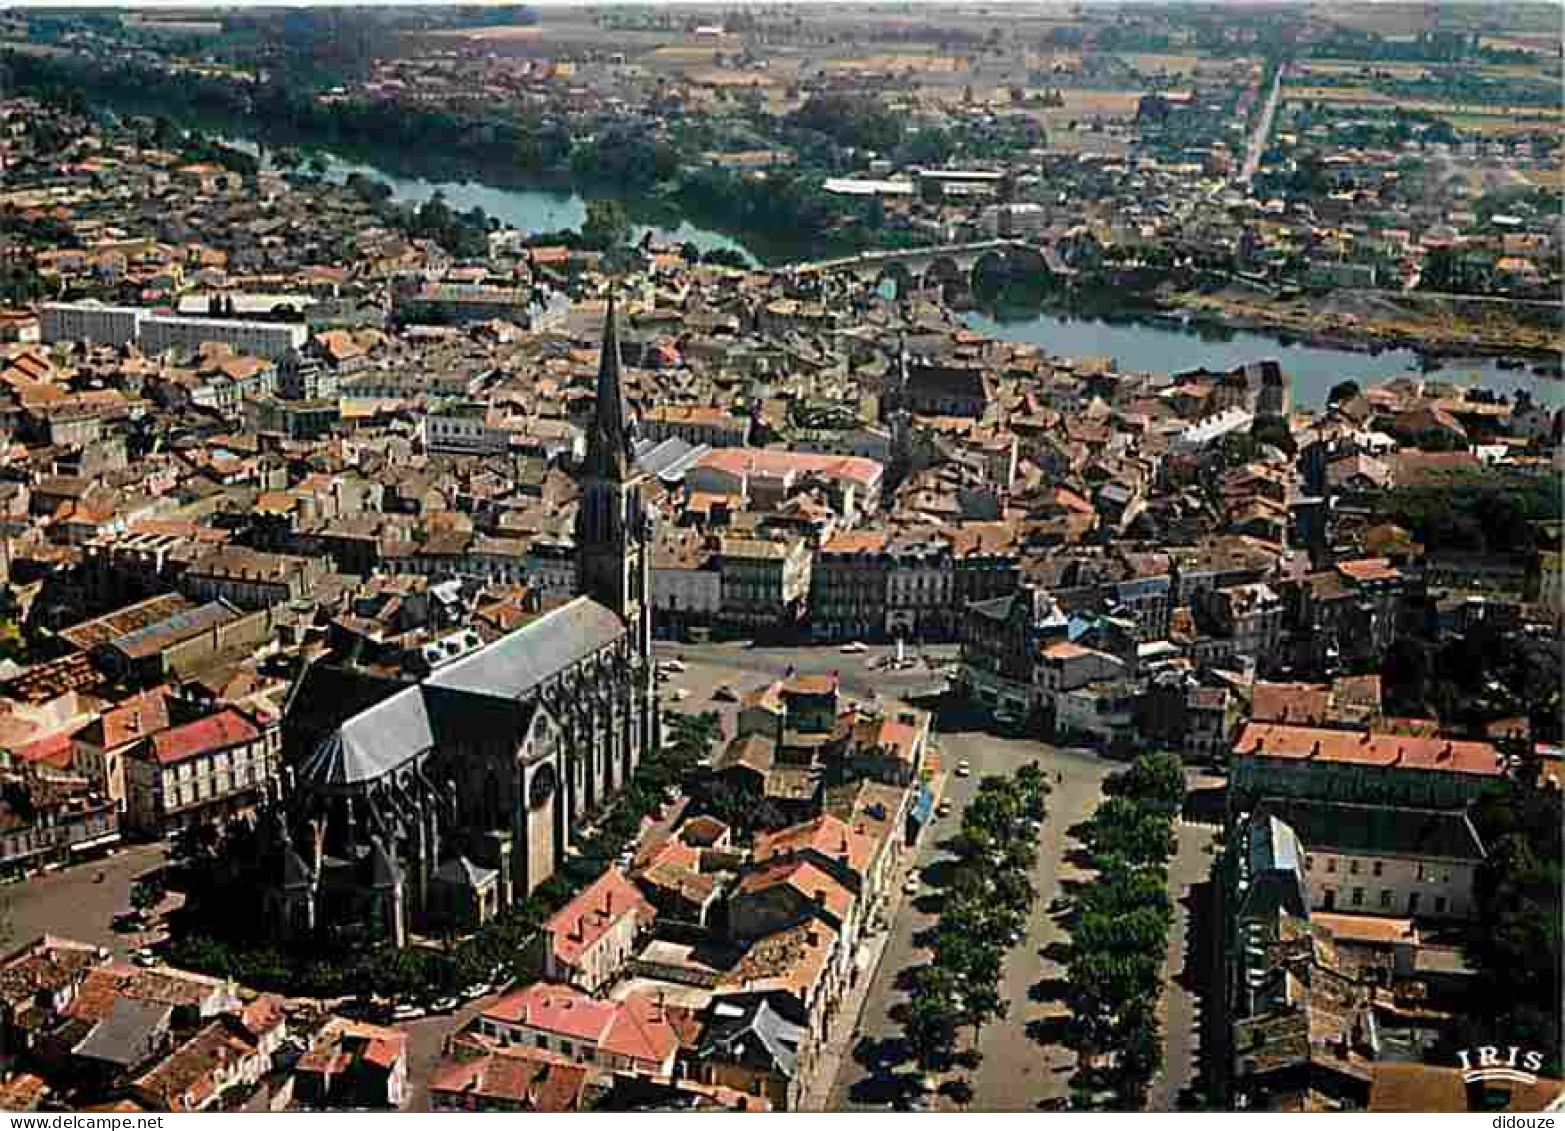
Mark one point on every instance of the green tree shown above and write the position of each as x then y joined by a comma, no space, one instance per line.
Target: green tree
932,1016
607,225
1342,391
147,894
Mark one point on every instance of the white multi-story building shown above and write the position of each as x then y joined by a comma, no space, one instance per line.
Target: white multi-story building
89,322
271,340
212,768
1385,860
687,584
121,325
462,428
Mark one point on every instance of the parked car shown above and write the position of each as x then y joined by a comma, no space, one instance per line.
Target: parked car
445,1005
943,809
407,1013
964,768
912,887
675,666
854,647
680,695
145,957
726,693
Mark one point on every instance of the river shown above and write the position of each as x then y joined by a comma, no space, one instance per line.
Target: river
528,209
531,209
1144,347
1136,346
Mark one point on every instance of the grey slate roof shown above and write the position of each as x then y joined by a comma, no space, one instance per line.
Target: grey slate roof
465,697
371,744
754,1034
1276,871
534,653
1374,830
128,1035
462,872
670,459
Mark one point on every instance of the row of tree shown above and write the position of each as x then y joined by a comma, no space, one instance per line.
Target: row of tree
986,909
1518,953
1119,934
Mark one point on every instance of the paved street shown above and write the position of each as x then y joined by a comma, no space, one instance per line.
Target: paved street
72,904
426,1040
858,672
1016,1072
1184,976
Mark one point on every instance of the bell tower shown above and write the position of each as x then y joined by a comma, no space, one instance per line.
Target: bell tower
614,534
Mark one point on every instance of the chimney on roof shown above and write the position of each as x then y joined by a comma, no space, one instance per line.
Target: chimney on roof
1445,753
1315,749
1397,761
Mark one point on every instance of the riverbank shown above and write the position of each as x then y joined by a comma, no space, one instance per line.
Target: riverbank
1170,340
1435,340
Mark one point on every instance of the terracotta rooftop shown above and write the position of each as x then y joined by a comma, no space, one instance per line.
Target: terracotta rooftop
581,923
826,835
204,736
1291,743
529,1079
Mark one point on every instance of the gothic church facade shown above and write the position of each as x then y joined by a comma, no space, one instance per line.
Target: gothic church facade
445,801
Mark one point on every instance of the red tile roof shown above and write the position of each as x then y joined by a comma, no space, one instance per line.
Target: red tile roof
1267,740
830,837
636,1027
204,736
577,927
774,462
132,720
1369,569
533,1080
807,879
56,750
811,685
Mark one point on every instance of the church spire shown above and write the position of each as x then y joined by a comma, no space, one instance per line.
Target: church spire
608,444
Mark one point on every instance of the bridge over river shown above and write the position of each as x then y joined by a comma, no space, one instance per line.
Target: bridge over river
918,267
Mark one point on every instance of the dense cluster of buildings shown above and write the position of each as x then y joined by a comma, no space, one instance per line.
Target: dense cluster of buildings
318,536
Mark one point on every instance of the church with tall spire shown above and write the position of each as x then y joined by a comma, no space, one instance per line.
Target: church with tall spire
433,805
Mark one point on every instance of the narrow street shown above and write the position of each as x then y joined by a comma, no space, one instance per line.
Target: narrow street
1184,974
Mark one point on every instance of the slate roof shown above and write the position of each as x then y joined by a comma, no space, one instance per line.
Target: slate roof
754,1034
463,872
1373,830
534,653
371,744
129,1035
1276,871
457,698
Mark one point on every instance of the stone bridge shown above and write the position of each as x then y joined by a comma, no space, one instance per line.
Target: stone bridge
926,266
